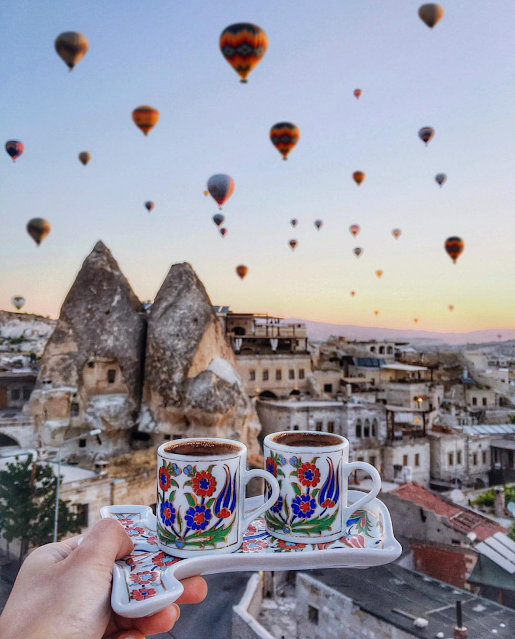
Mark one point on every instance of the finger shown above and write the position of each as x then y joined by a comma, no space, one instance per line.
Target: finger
162,621
52,553
195,591
104,543
127,634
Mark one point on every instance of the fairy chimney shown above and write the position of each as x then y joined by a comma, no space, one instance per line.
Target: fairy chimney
91,369
191,385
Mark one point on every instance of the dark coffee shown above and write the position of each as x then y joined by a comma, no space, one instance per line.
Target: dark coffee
202,448
308,440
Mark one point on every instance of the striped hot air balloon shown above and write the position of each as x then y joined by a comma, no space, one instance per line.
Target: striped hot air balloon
242,271
71,47
38,228
358,177
354,229
145,118
284,136
221,187
243,45
14,148
454,246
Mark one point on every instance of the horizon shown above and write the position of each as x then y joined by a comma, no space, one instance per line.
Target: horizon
452,78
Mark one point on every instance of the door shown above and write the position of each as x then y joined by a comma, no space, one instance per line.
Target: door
3,397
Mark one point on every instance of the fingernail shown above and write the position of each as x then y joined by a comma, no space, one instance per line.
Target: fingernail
178,611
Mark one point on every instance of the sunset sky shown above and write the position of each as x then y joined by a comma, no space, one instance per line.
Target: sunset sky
458,78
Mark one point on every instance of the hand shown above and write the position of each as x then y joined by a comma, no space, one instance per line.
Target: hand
63,591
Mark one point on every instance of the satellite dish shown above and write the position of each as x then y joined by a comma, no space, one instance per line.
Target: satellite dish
457,495
511,508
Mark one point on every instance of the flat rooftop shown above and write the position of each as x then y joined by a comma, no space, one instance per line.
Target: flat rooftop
307,403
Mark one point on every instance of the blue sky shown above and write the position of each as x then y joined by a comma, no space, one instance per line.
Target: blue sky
457,78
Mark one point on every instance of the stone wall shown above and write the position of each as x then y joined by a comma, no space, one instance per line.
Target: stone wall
400,453
244,622
252,369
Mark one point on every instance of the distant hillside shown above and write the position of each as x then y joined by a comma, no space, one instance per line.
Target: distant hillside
24,333
322,330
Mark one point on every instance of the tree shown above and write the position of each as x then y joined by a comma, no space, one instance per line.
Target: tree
27,505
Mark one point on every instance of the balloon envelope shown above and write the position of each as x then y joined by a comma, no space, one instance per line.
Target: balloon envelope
451,307
354,229
243,45
218,219
379,273
242,270
426,134
149,205
358,176
223,232
38,228
84,157
319,224
431,14
454,246
441,178
352,293
221,187
294,222
14,148
284,136
145,118
396,233
357,93
376,313
71,47
293,244
358,251
18,302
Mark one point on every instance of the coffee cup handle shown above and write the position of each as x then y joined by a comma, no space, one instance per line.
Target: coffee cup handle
272,481
376,479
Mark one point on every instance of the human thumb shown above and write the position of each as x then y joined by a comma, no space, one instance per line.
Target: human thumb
103,544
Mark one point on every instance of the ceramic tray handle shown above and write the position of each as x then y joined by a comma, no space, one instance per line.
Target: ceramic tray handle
272,482
376,479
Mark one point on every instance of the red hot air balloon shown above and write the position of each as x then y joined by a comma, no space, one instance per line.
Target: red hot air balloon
357,93
242,270
149,205
396,233
358,177
243,45
223,231
221,187
426,134
293,244
454,246
294,222
319,224
14,148
218,219
441,179
352,293
358,251
354,229
284,136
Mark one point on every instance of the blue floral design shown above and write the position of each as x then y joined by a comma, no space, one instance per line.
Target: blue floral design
281,460
176,470
278,506
303,506
167,513
294,461
198,517
187,470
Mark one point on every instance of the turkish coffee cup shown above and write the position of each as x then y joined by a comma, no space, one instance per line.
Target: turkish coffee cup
201,496
312,469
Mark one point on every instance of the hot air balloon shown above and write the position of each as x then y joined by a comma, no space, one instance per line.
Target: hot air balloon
242,270
84,157
454,247
145,118
14,148
431,14
358,251
294,222
243,45
206,193
218,219
284,136
352,293
223,231
221,187
38,229
319,224
358,176
396,233
354,229
499,336
357,93
71,47
426,134
379,273
415,319
441,178
376,313
451,307
18,302
293,244
149,205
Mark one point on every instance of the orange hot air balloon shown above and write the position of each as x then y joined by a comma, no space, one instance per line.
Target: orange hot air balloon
431,14
38,228
454,246
284,136
71,47
352,293
354,229
358,176
426,134
206,193
84,157
451,307
293,244
243,45
379,273
357,93
223,231
145,118
415,319
396,233
14,148
376,313
242,270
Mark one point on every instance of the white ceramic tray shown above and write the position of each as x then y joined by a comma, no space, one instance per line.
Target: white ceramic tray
148,580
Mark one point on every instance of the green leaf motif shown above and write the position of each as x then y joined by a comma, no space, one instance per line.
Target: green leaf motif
363,525
210,502
316,525
179,519
174,483
315,492
190,499
164,535
273,522
208,537
296,489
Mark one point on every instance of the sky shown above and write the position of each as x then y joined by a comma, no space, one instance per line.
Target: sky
457,78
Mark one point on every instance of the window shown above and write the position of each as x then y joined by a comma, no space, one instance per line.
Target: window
367,428
373,460
291,374
265,375
358,428
390,350
318,426
484,456
313,614
301,373
26,393
175,437
83,513
330,427
278,374
91,364
15,394
328,388
372,349
74,409
252,376
111,376
417,459
374,427
451,459
474,401
381,350
485,402
474,459
167,437
458,457
296,427
82,443
405,460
